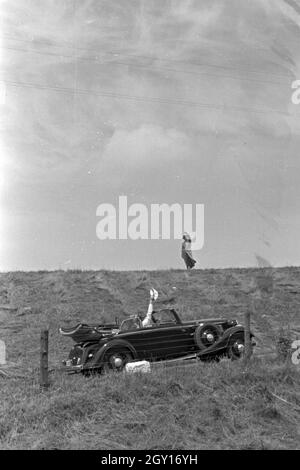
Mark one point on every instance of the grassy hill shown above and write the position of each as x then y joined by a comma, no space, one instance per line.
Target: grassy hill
225,405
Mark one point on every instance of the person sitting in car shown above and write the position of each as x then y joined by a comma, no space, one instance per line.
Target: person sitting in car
148,318
136,321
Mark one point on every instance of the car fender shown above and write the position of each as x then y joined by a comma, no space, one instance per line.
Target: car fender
98,357
231,331
223,342
88,347
234,329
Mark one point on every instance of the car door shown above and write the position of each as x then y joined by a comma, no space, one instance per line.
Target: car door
167,338
171,341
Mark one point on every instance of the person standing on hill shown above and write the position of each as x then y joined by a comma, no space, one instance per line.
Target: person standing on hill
186,252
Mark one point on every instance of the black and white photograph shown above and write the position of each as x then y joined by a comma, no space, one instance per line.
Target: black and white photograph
149,228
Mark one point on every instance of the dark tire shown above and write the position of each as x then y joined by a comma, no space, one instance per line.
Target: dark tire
236,346
206,335
115,359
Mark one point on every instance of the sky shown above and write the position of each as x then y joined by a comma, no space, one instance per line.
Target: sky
177,101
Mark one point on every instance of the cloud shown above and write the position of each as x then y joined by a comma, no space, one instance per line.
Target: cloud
158,163
60,146
144,147
179,23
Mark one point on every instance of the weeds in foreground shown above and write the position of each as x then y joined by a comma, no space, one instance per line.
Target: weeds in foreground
225,405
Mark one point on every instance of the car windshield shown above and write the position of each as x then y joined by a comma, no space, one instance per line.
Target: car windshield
164,316
131,324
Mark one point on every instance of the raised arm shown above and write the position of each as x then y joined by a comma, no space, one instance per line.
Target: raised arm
148,318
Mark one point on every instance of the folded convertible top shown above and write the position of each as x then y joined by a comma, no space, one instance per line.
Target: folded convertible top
83,332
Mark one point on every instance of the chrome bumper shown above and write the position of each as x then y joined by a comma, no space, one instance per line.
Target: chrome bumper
69,367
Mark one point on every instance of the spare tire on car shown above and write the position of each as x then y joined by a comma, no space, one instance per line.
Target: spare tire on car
206,335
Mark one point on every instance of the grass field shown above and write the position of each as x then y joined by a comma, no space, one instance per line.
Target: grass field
224,405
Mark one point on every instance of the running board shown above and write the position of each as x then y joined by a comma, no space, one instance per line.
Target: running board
177,359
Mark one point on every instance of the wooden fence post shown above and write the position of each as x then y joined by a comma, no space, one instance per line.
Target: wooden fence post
44,378
248,346
2,353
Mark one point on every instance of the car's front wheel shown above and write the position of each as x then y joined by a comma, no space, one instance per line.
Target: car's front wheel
115,359
236,347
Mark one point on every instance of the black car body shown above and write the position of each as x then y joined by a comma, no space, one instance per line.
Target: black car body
102,347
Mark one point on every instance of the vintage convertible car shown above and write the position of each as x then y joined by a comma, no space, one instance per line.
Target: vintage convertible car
112,346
